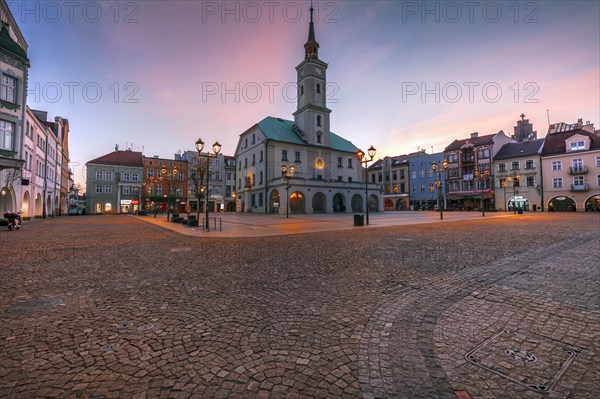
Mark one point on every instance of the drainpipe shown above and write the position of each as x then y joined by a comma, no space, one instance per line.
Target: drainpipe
541,183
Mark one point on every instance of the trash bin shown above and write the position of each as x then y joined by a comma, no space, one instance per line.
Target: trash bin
359,220
520,211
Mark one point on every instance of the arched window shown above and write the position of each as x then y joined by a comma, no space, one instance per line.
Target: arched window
318,88
318,120
319,134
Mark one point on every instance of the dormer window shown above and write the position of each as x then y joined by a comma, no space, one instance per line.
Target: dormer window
577,145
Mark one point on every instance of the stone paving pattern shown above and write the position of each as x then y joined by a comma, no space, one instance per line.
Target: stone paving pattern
379,313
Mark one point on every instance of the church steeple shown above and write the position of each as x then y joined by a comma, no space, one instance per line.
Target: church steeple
311,48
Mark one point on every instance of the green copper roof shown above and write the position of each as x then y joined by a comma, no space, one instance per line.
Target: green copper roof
282,130
8,44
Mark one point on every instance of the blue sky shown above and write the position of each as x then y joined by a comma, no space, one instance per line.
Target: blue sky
403,75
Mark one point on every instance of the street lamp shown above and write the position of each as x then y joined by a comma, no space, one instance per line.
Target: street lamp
431,189
364,160
482,177
436,167
515,181
287,173
169,176
216,149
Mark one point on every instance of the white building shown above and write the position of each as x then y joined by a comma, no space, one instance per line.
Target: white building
327,177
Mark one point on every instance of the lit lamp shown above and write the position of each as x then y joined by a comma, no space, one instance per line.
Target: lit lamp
216,150
515,181
365,161
287,173
482,177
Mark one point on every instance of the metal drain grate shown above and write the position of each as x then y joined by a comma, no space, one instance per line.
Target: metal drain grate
521,355
109,347
145,327
34,305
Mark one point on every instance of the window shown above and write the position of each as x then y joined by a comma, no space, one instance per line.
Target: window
301,90
515,165
99,175
284,155
261,156
297,156
578,181
108,176
414,189
502,167
108,189
557,165
379,177
253,138
253,159
598,180
350,179
373,177
261,178
126,177
319,120
341,166
422,174
577,165
134,176
253,179
340,178
422,188
253,199
394,176
577,145
557,182
260,199
8,90
318,88
530,181
179,176
150,173
401,174
529,164
246,142
402,187
413,174
135,190
350,163
245,162
98,188
7,130
597,161
126,190
158,189
319,134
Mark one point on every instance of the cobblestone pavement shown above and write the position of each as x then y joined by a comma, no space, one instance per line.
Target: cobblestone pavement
113,307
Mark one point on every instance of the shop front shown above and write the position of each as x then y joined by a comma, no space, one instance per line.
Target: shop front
129,206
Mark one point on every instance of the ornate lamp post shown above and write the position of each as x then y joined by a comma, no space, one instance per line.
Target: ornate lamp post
216,150
515,181
287,173
431,189
169,176
482,177
503,184
435,167
365,161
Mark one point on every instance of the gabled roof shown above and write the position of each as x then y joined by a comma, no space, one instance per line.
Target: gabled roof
555,142
520,149
121,158
282,130
476,141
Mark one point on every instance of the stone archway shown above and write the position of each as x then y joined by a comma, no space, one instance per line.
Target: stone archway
38,209
26,204
7,202
99,208
230,207
357,203
297,204
562,204
373,203
108,207
339,203
319,203
592,204
274,202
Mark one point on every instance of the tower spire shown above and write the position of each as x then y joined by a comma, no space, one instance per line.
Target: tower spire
311,47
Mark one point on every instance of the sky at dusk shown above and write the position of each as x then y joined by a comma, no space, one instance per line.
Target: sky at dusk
157,75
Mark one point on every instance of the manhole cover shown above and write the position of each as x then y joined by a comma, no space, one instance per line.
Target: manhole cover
537,372
145,327
109,347
34,305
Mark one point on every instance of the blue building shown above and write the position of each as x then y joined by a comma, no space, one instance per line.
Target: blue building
424,194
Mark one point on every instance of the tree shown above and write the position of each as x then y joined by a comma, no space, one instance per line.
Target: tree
198,179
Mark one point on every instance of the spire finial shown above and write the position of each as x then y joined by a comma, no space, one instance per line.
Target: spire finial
311,11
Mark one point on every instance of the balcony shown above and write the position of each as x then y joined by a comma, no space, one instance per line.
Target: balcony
578,170
470,159
580,187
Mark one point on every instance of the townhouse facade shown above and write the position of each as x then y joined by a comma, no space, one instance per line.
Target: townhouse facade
391,174
518,176
114,183
571,167
165,184
14,69
470,180
424,193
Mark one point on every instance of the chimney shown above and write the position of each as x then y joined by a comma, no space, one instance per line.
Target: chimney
474,135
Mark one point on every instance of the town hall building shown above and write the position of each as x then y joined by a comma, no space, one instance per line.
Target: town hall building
300,166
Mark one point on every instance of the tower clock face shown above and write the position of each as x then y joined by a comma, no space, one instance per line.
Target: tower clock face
318,71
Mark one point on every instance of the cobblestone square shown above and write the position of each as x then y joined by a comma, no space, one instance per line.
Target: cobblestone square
116,307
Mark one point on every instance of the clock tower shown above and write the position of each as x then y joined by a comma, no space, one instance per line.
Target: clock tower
312,114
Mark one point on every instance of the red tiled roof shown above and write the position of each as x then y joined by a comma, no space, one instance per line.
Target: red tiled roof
555,143
123,158
476,141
